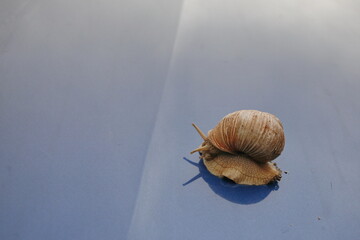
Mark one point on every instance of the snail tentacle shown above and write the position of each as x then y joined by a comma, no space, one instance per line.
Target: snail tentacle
203,136
199,149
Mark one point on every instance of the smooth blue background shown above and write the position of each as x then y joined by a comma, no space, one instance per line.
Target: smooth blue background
80,85
97,100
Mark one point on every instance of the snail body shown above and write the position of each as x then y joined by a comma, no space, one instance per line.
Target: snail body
242,145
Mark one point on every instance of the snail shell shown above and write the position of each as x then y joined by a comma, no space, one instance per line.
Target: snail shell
241,146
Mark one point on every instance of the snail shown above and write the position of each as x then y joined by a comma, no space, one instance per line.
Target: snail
241,147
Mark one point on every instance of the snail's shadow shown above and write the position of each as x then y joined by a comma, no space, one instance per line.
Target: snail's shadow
241,194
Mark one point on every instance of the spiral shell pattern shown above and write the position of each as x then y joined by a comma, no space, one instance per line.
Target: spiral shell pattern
259,135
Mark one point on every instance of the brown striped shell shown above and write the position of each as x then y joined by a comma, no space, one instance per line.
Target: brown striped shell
259,135
241,146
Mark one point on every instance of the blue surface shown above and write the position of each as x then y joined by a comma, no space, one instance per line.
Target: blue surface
97,100
80,86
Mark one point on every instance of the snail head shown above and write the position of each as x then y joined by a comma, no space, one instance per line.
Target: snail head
207,150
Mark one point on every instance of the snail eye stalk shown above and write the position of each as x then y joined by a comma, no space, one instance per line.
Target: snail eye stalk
203,136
